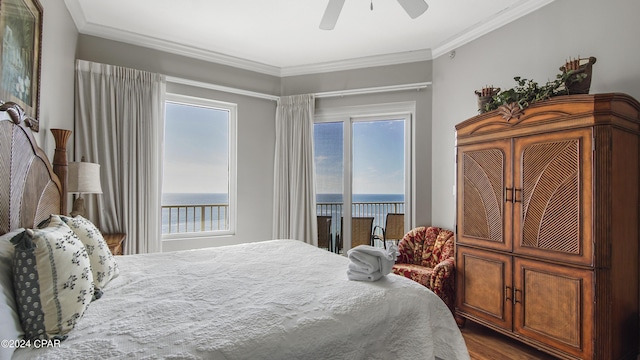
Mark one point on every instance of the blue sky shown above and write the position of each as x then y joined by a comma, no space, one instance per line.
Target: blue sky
378,157
196,153
196,149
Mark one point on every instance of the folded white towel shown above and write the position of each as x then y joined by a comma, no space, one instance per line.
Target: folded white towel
368,263
364,262
360,276
355,266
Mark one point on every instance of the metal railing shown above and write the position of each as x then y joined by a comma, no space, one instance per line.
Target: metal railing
212,217
378,210
194,218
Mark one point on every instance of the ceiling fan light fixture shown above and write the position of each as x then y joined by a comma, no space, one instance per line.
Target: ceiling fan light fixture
413,8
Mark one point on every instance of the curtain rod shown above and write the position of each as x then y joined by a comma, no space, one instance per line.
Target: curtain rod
201,84
373,90
326,94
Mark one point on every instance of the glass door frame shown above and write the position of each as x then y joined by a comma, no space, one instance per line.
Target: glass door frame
349,115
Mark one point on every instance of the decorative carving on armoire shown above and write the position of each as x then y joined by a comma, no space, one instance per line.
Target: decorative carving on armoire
511,111
550,191
501,124
484,186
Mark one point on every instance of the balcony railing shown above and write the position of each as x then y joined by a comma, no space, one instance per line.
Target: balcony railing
213,217
194,218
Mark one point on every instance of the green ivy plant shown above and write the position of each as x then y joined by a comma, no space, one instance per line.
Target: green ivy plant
528,92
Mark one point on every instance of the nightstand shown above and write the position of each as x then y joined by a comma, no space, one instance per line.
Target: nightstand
115,241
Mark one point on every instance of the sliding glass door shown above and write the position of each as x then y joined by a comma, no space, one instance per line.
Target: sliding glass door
363,173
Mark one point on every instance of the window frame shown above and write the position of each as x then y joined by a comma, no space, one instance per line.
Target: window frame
232,109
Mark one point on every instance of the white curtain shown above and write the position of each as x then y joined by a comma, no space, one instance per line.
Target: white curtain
119,123
294,202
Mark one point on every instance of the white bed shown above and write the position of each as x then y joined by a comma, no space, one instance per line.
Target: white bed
280,299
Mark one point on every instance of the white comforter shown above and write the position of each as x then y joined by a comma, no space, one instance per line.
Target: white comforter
280,299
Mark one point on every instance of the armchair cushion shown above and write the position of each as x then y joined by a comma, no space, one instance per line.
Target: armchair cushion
427,257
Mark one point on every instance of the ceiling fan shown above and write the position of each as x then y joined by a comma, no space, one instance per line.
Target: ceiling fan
414,8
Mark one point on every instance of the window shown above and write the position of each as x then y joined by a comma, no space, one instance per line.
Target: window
363,163
198,185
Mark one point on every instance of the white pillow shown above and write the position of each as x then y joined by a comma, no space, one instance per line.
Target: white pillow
11,329
103,263
52,280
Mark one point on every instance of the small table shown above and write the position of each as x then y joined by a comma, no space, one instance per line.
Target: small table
115,241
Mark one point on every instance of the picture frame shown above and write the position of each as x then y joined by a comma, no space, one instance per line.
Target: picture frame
20,54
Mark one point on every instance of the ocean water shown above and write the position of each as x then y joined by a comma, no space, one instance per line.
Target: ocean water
190,214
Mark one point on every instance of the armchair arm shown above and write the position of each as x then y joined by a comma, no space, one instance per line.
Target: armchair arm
441,274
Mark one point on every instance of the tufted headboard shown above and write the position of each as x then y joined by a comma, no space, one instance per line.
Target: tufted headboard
29,189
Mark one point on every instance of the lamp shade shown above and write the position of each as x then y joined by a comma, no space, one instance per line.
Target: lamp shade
84,178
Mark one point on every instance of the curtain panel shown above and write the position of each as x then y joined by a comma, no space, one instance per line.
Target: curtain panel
119,123
294,213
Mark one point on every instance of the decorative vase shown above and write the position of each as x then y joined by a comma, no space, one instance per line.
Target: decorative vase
485,96
579,81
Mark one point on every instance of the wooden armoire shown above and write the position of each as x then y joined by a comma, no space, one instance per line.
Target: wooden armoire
547,225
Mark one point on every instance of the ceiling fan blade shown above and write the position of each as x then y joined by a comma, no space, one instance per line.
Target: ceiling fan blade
414,8
330,17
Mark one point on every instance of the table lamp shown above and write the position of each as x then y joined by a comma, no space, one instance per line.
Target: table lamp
84,178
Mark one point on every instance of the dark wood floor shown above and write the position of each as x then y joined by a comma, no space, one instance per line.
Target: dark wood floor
485,344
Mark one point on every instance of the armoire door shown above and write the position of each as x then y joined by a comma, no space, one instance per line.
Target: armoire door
484,285
484,192
553,191
554,305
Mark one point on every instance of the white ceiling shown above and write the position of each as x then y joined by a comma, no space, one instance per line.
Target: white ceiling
282,37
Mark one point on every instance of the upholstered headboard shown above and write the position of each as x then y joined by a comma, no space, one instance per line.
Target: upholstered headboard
29,190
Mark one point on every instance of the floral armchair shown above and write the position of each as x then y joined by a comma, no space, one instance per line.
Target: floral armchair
427,256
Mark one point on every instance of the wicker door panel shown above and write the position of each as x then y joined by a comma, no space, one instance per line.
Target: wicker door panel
484,172
551,306
484,285
550,179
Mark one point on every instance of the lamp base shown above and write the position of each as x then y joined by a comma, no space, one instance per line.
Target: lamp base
78,207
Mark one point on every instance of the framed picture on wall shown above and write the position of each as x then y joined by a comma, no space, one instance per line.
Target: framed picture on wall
20,53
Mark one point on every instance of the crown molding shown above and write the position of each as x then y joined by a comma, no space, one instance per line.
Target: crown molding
507,16
179,49
510,14
358,63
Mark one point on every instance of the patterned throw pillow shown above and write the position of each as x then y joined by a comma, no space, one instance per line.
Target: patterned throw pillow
52,280
103,263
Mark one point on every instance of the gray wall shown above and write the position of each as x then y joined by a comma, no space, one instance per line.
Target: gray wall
533,47
256,128
59,37
382,76
118,53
